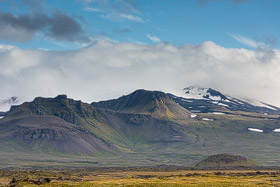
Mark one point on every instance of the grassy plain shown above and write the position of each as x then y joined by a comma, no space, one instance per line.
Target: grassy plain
80,177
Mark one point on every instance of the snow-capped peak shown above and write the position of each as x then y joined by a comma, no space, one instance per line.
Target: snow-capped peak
6,104
194,92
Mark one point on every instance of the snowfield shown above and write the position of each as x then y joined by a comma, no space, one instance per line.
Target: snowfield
193,92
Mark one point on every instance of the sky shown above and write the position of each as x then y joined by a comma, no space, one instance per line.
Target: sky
100,49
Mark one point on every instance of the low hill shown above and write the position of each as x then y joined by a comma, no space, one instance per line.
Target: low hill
225,161
154,103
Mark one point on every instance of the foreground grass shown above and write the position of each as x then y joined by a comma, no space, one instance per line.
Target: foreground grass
85,178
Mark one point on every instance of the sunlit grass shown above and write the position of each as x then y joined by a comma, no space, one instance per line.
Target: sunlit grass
141,178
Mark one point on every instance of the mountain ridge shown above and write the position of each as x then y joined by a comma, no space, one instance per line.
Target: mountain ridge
154,103
136,129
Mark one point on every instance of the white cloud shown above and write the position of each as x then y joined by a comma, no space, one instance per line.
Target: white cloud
153,38
264,52
107,70
4,47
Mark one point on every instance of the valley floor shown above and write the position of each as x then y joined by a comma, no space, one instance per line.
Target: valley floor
138,178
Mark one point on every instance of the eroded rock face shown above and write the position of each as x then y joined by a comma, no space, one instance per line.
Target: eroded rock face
54,134
27,134
137,119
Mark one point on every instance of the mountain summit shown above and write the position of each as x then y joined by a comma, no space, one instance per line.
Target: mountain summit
194,92
154,103
207,100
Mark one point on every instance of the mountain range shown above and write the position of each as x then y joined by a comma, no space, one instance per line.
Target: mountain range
142,128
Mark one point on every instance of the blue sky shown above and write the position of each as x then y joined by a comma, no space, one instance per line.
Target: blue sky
229,23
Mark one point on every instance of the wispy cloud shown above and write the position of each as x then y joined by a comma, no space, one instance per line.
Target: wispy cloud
123,17
122,30
153,38
90,9
246,41
234,1
116,10
131,18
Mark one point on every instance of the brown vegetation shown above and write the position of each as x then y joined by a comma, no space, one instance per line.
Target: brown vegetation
88,177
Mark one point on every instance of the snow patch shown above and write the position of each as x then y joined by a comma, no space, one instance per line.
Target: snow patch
221,104
217,103
255,130
207,119
193,115
217,113
1,117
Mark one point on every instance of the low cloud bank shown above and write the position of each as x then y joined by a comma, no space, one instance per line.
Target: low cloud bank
107,70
